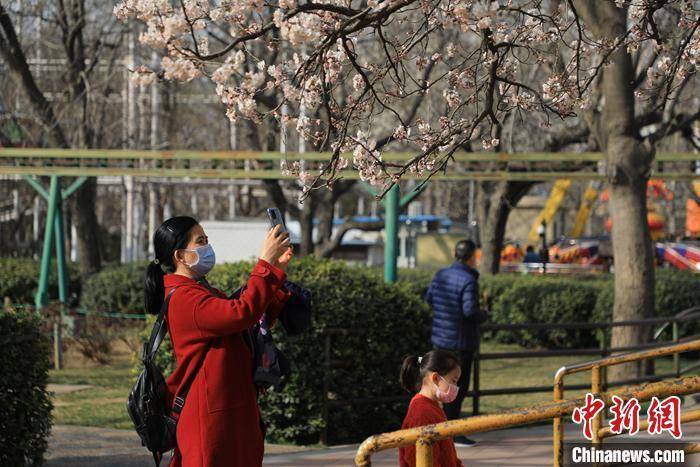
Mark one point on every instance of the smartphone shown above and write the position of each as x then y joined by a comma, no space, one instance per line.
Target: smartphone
276,218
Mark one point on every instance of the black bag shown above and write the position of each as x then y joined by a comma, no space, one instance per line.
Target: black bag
296,314
270,365
154,422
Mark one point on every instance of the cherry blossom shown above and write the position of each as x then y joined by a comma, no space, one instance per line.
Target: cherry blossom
348,73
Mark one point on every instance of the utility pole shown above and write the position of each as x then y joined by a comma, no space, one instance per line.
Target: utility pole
232,190
155,142
130,64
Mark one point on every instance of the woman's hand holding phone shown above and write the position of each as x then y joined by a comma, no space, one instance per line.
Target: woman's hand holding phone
276,248
284,260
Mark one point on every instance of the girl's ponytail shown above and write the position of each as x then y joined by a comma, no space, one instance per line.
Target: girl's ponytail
172,235
410,374
154,288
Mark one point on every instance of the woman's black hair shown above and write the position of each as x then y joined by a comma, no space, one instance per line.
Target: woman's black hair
413,371
172,235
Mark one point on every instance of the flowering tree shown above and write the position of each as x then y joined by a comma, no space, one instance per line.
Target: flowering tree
343,71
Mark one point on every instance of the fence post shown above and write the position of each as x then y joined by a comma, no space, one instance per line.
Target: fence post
424,453
558,427
477,369
598,419
604,353
677,355
326,386
57,344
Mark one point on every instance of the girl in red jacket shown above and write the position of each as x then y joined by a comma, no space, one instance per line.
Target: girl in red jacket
219,423
434,377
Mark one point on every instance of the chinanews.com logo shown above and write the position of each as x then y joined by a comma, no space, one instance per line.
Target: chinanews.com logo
662,416
617,454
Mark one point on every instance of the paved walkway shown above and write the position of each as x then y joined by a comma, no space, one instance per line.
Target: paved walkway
520,447
104,447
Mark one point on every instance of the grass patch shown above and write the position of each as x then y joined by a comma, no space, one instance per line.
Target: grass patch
522,372
104,404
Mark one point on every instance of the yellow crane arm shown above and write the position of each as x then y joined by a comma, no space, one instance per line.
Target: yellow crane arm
550,208
589,198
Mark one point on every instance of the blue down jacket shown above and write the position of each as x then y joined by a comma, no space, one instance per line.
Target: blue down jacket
454,297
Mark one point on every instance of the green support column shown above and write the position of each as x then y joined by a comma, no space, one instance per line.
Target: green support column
393,205
54,232
49,230
59,234
391,225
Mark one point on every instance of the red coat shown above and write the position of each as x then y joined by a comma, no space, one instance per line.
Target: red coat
424,411
220,423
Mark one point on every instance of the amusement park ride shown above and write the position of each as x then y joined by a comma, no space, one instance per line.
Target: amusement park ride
590,253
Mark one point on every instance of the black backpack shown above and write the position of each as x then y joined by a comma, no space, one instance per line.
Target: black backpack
155,423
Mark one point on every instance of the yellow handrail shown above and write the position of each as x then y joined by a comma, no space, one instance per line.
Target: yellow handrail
424,437
596,366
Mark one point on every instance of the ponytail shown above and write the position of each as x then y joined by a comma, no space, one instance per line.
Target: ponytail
410,373
414,368
154,288
172,235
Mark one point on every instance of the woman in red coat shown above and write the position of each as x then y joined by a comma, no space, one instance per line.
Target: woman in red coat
220,423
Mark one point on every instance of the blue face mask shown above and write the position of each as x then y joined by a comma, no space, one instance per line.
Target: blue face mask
205,259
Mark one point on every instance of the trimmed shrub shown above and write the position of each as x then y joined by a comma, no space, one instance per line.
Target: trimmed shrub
25,406
116,288
532,299
380,323
519,298
19,279
675,291
417,280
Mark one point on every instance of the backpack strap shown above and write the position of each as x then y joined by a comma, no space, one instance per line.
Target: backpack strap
159,330
179,400
181,395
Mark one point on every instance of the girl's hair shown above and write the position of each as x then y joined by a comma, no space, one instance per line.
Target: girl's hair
413,371
172,235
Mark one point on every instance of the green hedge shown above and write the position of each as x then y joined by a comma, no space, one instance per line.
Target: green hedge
674,292
383,323
517,298
25,407
19,278
533,299
116,288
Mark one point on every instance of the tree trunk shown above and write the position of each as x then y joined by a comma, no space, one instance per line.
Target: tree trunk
325,216
495,200
628,166
492,216
86,226
306,217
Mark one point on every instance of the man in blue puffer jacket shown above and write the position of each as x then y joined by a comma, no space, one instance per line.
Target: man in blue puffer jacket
454,297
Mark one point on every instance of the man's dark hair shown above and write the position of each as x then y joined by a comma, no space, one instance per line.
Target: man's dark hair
464,250
530,249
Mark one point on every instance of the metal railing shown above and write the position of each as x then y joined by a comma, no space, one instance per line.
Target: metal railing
330,400
424,437
222,164
596,368
603,351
